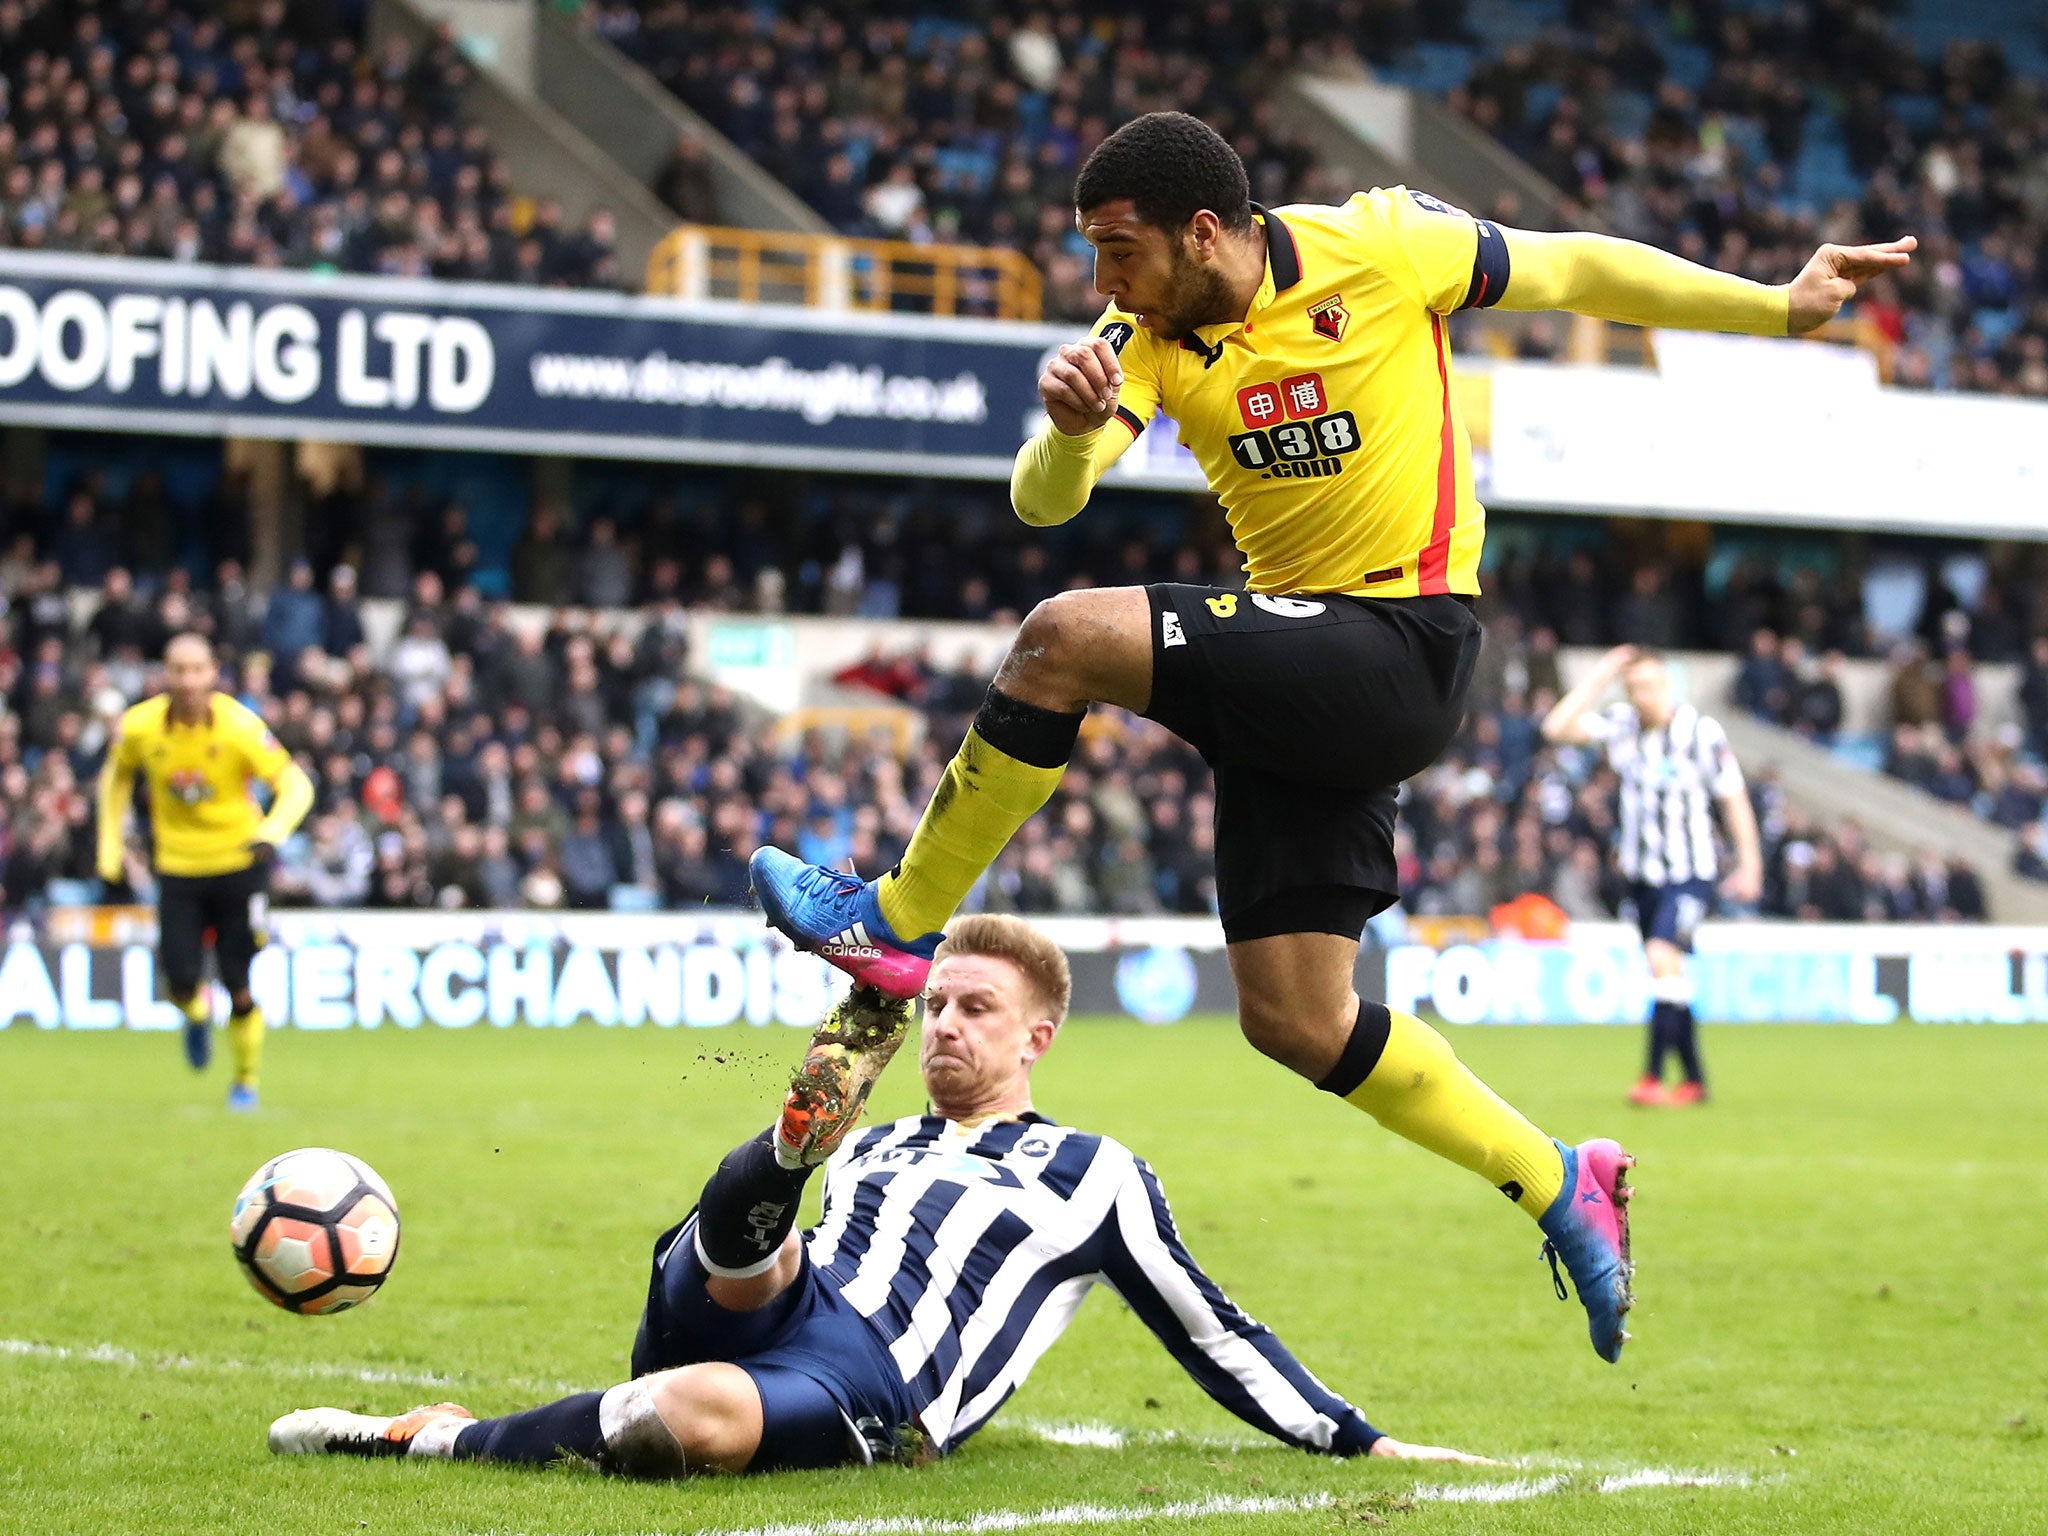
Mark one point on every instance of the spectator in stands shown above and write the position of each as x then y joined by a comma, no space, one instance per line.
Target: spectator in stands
341,629
1951,779
685,182
1817,714
1763,686
605,569
1916,697
124,621
295,622
1958,694
2033,696
2030,858
541,562
588,869
84,546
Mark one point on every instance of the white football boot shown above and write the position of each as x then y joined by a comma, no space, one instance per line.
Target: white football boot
337,1432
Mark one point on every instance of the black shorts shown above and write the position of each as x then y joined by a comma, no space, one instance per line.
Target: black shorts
1311,710
232,905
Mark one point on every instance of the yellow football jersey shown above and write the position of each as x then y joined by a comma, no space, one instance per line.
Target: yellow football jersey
200,777
1325,421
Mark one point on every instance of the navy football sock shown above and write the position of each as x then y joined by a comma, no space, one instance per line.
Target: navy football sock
539,1435
1685,1041
1661,1042
747,1209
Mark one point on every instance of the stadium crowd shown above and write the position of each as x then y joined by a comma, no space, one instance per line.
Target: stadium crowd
481,762
1743,136
1939,737
968,123
1738,136
262,134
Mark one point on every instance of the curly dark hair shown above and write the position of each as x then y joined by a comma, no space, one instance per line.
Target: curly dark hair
1171,166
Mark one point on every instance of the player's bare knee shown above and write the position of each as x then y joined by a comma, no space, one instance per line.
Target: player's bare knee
1665,959
1279,1031
1045,655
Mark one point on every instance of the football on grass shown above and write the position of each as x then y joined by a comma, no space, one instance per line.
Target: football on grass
315,1230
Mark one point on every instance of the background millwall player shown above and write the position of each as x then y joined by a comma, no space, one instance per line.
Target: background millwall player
953,1250
1304,353
1675,765
201,753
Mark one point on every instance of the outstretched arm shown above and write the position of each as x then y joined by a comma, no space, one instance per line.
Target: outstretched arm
1238,1362
1640,285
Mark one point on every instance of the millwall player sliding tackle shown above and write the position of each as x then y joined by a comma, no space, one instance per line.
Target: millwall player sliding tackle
954,1249
1304,352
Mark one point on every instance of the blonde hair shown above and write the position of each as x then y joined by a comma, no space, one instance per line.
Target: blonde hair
1041,962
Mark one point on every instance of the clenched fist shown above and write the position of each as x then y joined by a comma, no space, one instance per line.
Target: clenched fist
1079,386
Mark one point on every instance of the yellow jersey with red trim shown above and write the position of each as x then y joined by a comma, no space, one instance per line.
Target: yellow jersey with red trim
1324,420
202,813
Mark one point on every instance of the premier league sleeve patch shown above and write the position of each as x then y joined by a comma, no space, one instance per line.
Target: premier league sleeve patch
1436,204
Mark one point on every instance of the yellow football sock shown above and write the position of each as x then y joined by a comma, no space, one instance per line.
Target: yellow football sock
245,1039
981,801
1419,1089
198,1008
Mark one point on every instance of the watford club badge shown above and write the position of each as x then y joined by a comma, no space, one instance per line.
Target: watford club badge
189,787
1330,317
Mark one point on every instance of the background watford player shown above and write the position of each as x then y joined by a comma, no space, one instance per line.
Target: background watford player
1305,354
202,753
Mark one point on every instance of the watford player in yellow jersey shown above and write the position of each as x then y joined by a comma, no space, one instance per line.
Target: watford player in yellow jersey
201,753
1304,353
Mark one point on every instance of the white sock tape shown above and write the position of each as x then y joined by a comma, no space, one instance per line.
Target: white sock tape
1671,989
636,1440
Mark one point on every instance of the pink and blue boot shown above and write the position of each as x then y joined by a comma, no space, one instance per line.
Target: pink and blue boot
838,917
1586,1230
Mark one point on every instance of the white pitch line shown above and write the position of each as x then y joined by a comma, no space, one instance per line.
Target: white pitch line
1085,1434
1489,1493
1107,1437
1664,1477
1071,1515
1026,1519
108,1354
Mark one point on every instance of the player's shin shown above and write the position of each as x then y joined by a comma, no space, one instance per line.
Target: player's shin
245,1039
747,1210
571,1427
1005,770
1673,995
621,1430
1406,1076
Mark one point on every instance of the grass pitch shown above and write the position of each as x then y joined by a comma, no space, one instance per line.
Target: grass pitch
1844,1289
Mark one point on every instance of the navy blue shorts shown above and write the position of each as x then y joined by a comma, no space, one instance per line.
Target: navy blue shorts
1671,912
830,1394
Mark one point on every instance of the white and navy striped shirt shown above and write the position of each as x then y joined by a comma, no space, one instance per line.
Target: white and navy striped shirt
968,1251
1670,777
